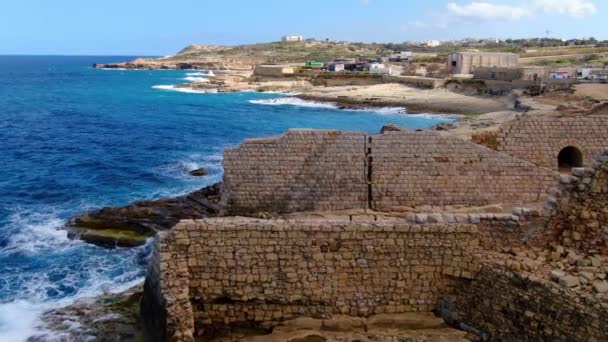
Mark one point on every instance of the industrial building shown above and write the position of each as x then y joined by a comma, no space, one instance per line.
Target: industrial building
466,62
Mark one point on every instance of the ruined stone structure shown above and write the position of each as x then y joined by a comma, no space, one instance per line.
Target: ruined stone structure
497,74
242,272
549,142
503,305
581,214
527,275
329,170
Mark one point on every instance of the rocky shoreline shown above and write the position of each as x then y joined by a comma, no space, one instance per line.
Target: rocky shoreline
132,225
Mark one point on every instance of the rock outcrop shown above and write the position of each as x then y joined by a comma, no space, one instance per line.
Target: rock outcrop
132,225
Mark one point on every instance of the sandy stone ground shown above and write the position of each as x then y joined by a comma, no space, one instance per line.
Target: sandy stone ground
416,100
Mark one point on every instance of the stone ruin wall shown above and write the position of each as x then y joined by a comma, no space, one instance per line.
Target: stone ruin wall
306,170
505,306
303,170
579,213
425,168
540,140
248,272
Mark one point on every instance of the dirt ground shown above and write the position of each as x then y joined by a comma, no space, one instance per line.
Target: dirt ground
597,91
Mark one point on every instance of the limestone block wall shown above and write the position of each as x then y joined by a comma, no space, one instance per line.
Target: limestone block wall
308,170
505,306
243,272
300,171
580,215
422,168
541,140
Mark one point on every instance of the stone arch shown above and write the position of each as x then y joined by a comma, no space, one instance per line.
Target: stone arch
568,158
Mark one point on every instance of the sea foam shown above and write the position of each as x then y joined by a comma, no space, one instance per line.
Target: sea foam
185,90
293,101
196,79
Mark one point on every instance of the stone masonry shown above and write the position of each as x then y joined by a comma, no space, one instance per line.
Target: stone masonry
540,140
503,305
246,272
425,168
303,170
580,214
306,170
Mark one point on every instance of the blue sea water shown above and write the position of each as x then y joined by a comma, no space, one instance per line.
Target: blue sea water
73,138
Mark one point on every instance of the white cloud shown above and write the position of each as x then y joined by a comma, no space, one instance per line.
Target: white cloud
490,11
572,8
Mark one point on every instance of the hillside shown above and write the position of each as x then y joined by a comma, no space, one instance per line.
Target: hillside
281,52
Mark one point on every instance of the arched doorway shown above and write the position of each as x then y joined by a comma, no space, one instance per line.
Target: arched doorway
568,158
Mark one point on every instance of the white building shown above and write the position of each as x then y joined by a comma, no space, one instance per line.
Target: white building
379,68
432,43
293,38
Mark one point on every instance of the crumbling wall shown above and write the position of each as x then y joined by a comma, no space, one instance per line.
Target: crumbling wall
426,168
504,306
249,272
539,140
303,170
580,215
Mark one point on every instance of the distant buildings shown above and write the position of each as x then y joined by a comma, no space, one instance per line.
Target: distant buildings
432,43
466,62
292,39
403,56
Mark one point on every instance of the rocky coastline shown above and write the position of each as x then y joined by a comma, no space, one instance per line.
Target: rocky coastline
132,225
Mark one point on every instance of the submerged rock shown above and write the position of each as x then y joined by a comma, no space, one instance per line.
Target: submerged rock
199,172
133,224
111,317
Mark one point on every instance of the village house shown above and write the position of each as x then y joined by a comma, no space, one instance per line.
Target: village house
293,38
466,62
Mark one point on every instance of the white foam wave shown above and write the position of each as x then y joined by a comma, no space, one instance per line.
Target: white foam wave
201,73
18,320
182,168
293,101
196,79
185,90
37,232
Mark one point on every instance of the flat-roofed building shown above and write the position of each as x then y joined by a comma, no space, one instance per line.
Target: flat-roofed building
466,62
293,38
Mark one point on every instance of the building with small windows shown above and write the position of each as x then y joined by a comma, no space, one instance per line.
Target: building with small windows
466,62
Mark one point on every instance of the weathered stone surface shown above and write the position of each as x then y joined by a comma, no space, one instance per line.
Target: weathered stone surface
539,140
569,281
246,271
600,286
510,306
306,170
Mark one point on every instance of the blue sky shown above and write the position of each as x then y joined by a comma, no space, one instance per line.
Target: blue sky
155,27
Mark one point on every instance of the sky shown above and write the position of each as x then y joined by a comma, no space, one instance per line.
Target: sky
158,28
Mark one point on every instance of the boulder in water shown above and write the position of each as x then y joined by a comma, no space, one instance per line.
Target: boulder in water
199,172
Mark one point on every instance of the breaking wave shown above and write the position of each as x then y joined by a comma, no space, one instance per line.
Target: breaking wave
294,101
61,271
196,79
201,73
185,90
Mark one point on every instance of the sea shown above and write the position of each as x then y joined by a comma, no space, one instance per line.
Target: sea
75,139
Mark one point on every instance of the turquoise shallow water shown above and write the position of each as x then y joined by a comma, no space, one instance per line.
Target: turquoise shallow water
73,138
